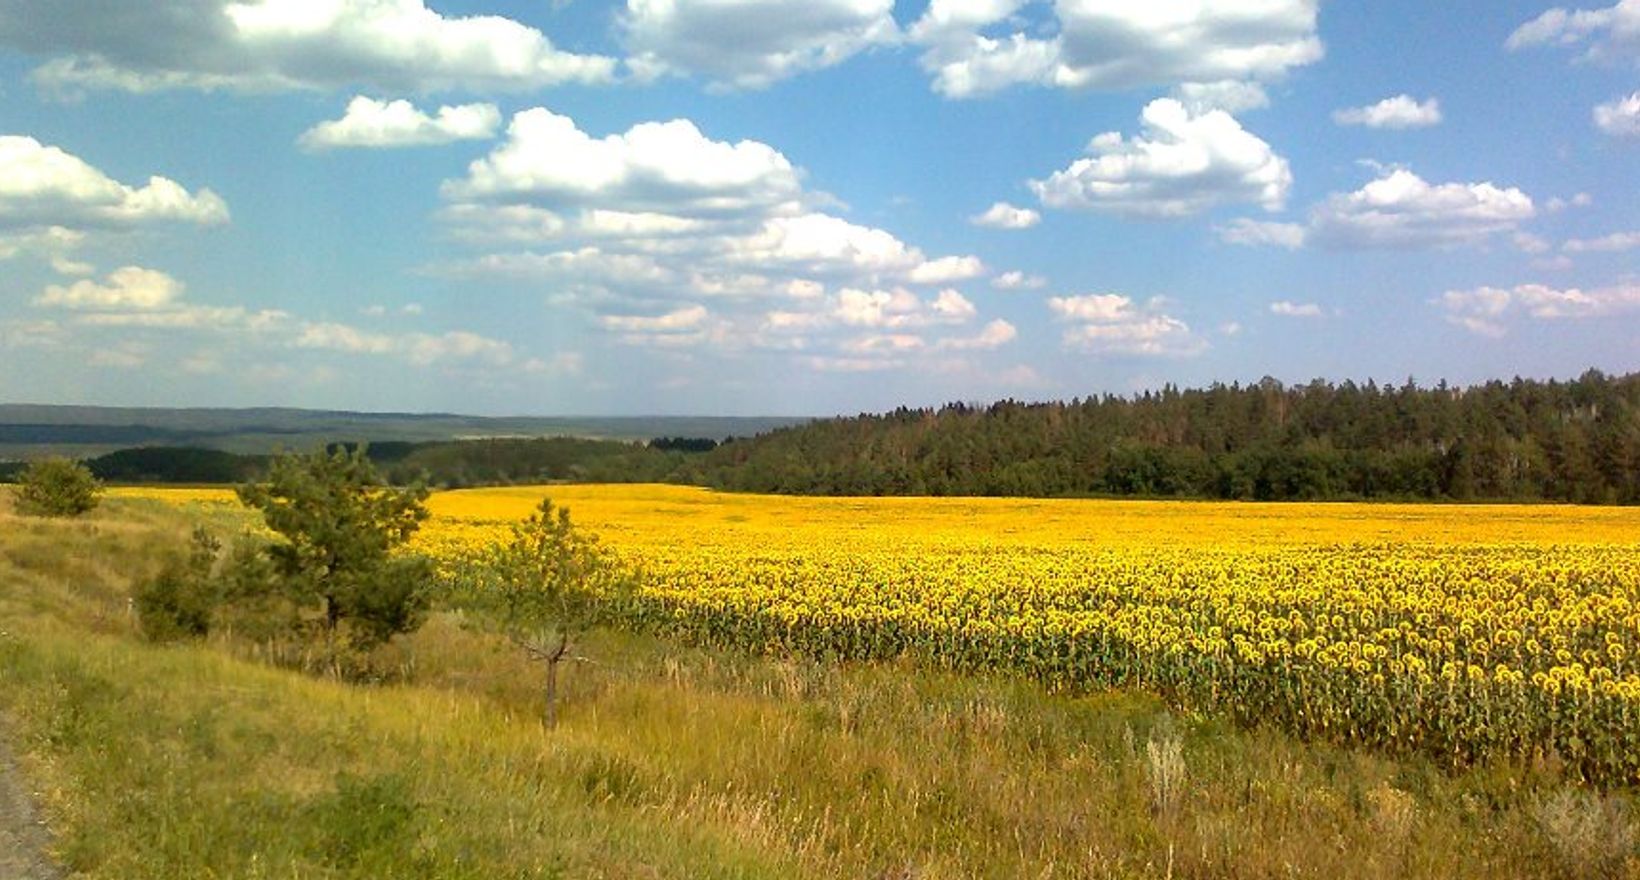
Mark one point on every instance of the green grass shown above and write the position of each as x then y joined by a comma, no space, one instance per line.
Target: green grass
196,761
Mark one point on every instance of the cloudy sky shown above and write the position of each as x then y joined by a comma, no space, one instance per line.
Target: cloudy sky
805,206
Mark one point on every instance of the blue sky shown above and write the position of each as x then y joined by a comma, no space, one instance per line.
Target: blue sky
805,206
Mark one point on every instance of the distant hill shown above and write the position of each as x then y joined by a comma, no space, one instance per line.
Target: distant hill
30,431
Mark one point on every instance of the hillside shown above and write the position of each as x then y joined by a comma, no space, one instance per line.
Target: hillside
31,431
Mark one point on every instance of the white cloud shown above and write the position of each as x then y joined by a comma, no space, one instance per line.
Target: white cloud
1017,280
1229,95
42,186
952,306
993,335
1612,34
878,308
372,123
1005,216
133,296
1616,242
51,242
129,287
828,364
341,337
663,167
1557,204
1113,324
1401,210
134,299
454,348
639,230
751,45
1095,44
946,270
1485,310
278,45
1259,233
1182,164
686,318
1288,309
1619,117
1401,111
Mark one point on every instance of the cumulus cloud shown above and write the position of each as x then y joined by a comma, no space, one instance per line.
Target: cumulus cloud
1005,216
1017,280
133,296
946,270
751,45
1288,309
687,326
1609,35
666,167
44,186
1402,210
1619,117
667,238
129,287
1091,44
1485,310
1401,111
1614,243
279,45
372,123
1259,233
1114,324
1181,164
666,205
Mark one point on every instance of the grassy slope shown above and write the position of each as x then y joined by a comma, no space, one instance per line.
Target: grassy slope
187,761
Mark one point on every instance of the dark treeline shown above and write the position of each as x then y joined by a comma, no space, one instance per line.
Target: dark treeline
1520,440
443,464
516,461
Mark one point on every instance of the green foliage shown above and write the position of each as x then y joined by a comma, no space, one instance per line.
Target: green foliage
547,582
341,529
544,587
1520,440
181,600
57,487
176,464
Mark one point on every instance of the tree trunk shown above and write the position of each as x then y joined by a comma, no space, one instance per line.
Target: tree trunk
552,693
552,660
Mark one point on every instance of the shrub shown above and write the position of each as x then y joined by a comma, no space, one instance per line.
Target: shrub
57,487
181,601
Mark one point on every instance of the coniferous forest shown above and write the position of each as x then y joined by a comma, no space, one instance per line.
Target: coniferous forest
1525,439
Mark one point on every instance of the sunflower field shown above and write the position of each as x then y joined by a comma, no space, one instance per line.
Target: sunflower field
1467,633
